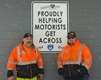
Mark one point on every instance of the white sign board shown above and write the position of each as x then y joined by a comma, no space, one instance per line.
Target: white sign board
50,25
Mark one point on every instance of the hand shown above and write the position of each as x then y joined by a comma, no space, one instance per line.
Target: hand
11,78
40,76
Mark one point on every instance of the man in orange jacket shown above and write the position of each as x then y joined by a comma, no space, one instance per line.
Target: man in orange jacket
75,60
25,60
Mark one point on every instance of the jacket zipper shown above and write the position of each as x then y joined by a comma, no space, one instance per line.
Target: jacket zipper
30,71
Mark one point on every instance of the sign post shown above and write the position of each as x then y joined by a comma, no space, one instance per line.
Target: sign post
49,25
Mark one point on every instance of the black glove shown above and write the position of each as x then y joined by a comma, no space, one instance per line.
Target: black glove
9,73
82,71
60,71
40,71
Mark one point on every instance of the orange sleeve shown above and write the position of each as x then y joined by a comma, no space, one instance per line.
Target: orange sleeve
86,57
39,60
12,60
59,60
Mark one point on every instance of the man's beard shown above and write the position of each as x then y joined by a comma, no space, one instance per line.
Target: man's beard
71,43
28,44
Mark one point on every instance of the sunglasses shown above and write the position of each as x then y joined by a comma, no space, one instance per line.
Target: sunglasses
71,37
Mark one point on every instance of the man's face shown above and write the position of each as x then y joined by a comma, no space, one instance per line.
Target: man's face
28,41
71,41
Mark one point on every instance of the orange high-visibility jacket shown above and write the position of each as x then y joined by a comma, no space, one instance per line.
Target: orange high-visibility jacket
21,55
77,54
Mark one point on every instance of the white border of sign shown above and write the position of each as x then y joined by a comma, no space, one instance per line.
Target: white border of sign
32,20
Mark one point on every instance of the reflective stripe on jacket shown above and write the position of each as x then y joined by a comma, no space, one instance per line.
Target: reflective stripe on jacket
22,57
77,54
